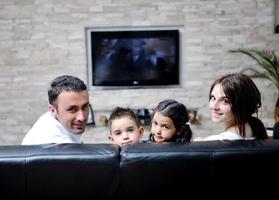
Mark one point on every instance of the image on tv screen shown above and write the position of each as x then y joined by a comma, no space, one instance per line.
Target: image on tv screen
132,58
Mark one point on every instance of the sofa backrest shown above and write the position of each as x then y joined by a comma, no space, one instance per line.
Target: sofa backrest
104,171
56,170
171,169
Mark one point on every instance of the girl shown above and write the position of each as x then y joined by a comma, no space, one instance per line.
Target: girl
170,123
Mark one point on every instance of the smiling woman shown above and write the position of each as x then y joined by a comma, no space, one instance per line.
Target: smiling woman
233,99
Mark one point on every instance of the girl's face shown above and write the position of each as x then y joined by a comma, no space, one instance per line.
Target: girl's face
162,128
220,107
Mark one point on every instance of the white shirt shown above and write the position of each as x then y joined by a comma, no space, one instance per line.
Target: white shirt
227,135
48,130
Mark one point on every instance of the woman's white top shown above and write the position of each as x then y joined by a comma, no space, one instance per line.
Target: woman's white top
227,135
48,130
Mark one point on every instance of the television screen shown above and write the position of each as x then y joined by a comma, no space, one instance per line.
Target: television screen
134,57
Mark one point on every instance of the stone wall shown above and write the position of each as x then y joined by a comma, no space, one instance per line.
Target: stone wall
41,39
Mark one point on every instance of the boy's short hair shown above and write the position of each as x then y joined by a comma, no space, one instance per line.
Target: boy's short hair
120,112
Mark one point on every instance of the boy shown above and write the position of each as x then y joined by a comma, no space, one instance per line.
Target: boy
124,127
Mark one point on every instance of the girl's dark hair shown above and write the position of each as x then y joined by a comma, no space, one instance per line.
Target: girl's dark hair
179,115
245,99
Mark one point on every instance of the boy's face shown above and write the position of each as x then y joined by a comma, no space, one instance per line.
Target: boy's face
125,131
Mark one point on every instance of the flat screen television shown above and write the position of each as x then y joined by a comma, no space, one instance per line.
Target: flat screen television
133,57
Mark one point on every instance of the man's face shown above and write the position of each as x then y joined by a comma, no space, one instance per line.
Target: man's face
72,110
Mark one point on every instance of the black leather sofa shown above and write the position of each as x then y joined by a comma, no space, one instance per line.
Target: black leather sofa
146,170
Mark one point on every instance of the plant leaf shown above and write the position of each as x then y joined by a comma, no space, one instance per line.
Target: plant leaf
267,60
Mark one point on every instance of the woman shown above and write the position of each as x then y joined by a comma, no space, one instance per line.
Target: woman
233,99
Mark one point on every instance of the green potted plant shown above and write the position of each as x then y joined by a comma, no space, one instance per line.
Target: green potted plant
269,62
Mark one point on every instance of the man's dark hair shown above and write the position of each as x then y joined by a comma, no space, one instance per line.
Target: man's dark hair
64,83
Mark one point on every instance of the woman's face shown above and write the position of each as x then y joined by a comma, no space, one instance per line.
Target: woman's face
162,128
220,107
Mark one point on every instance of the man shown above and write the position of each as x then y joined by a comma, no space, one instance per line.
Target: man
67,113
